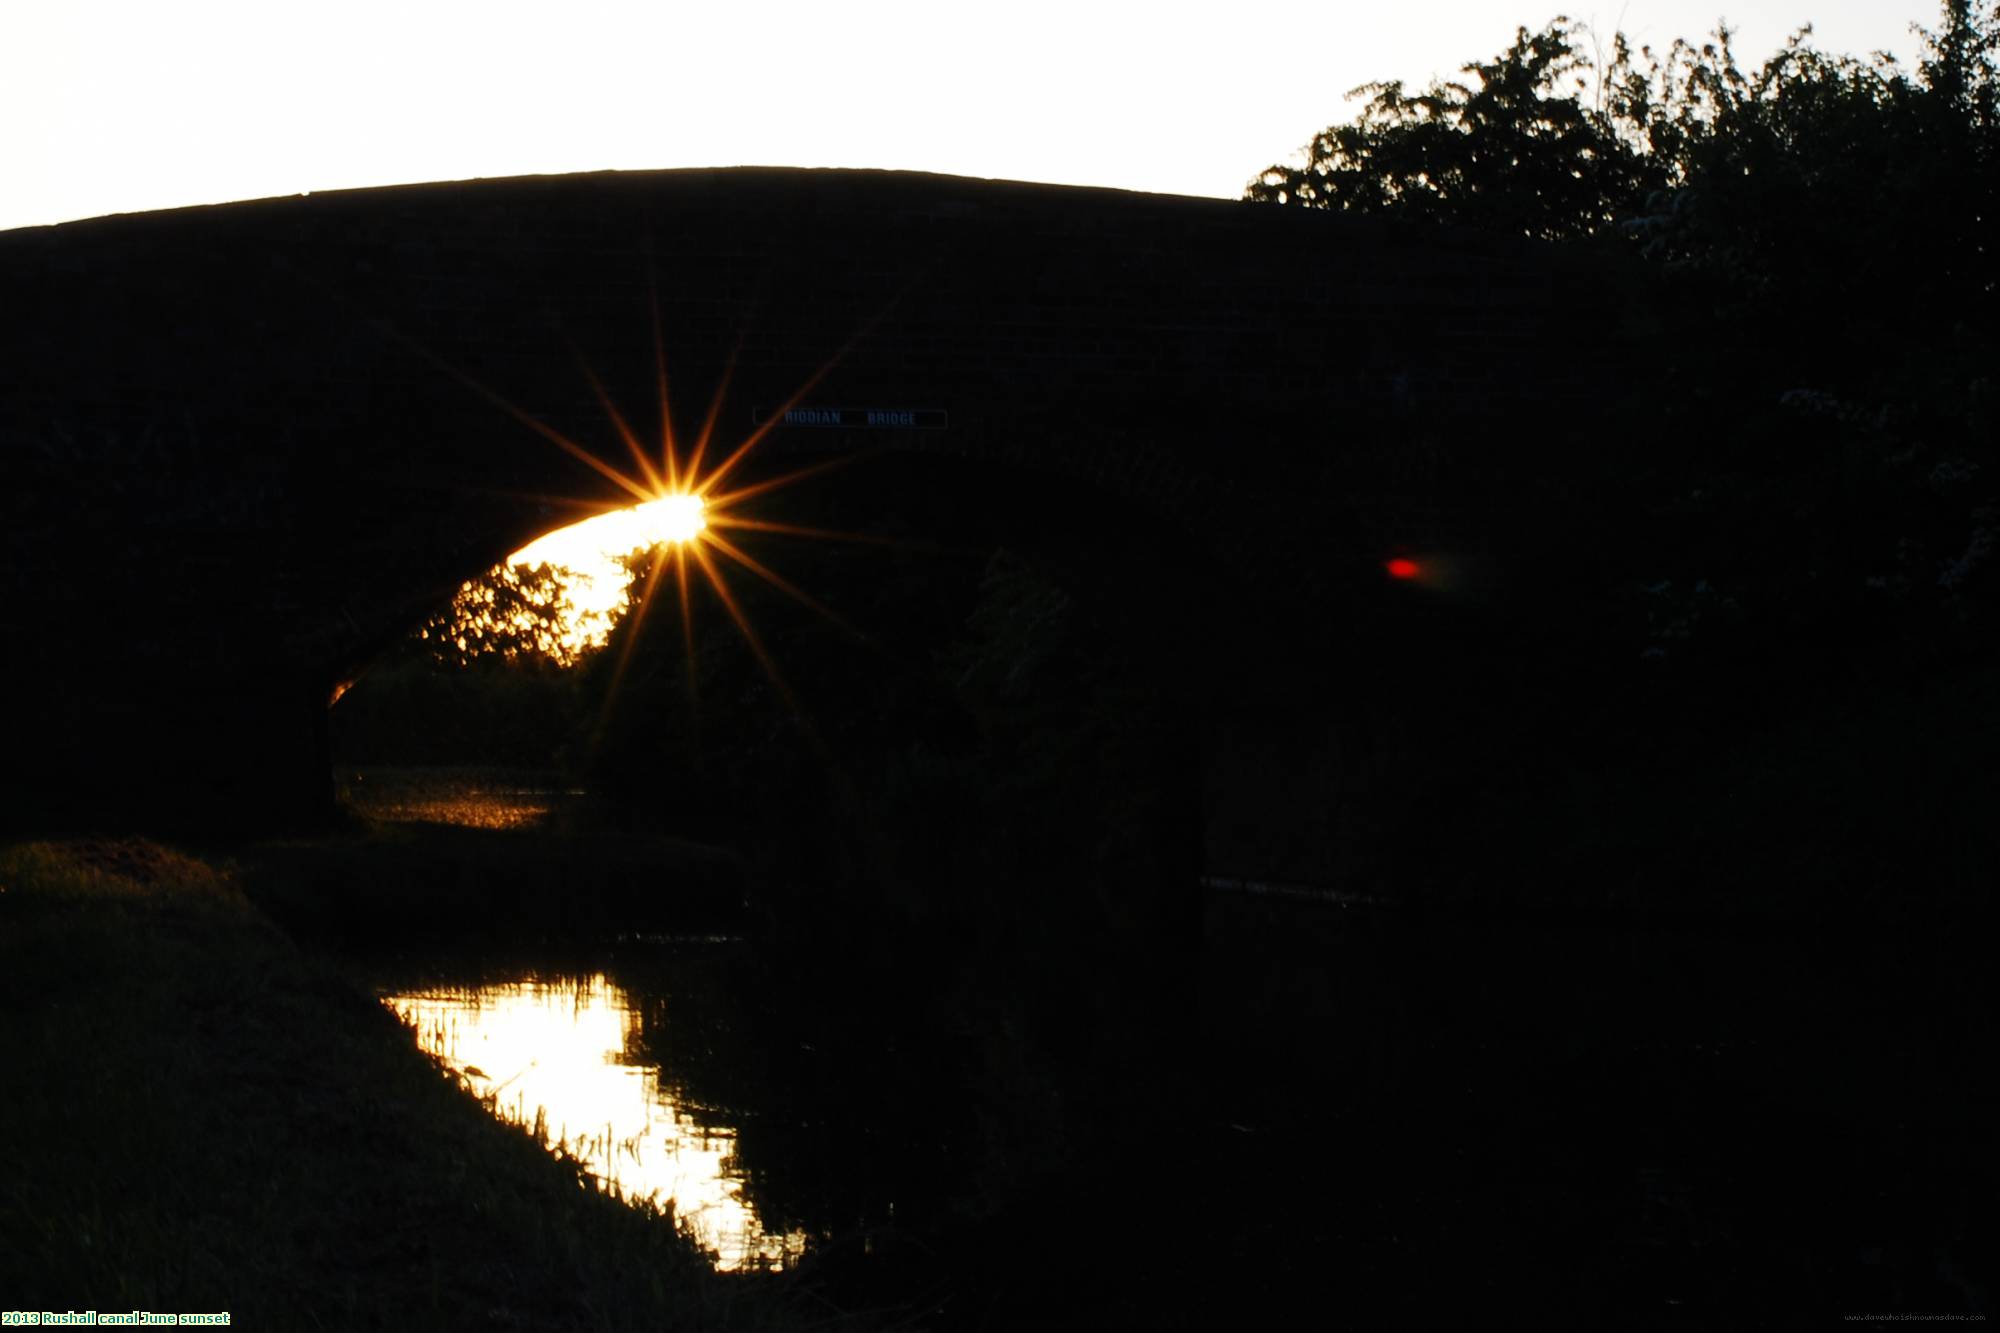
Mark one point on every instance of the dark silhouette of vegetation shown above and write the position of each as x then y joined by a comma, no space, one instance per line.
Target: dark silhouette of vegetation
1752,668
488,679
1789,529
1519,149
1684,150
1822,216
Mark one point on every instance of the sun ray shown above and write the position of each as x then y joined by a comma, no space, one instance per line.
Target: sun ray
818,534
687,633
591,508
693,469
644,602
764,428
557,438
776,417
763,655
506,405
640,606
632,444
668,451
714,503
702,485
779,582
570,447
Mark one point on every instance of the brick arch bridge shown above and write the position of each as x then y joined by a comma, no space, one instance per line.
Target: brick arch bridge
242,448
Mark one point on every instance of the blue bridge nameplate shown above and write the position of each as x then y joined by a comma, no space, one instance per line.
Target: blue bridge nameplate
855,418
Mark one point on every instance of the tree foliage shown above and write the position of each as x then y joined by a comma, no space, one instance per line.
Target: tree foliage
1797,505
1850,193
487,679
1810,159
1516,149
510,612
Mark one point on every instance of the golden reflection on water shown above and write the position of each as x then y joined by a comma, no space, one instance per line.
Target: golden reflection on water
465,797
476,811
555,1052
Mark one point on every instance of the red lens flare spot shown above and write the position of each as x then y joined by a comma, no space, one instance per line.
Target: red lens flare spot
1400,568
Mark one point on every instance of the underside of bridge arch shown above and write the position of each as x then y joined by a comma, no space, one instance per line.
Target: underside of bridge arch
248,445
975,614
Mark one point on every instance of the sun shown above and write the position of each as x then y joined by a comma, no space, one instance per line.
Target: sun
675,511
672,519
591,560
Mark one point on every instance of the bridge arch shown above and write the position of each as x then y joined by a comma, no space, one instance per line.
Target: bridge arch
247,443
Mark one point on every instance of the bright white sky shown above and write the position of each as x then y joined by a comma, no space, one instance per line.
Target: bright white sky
110,106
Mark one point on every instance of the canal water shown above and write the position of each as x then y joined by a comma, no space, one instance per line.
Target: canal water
1370,1102
774,1113
563,1055
690,1073
465,797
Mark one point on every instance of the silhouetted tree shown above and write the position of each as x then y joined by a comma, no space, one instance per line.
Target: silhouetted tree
1517,149
488,679
1852,193
1812,165
510,611
1799,515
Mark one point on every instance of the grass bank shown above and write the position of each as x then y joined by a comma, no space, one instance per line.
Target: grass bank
199,1116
